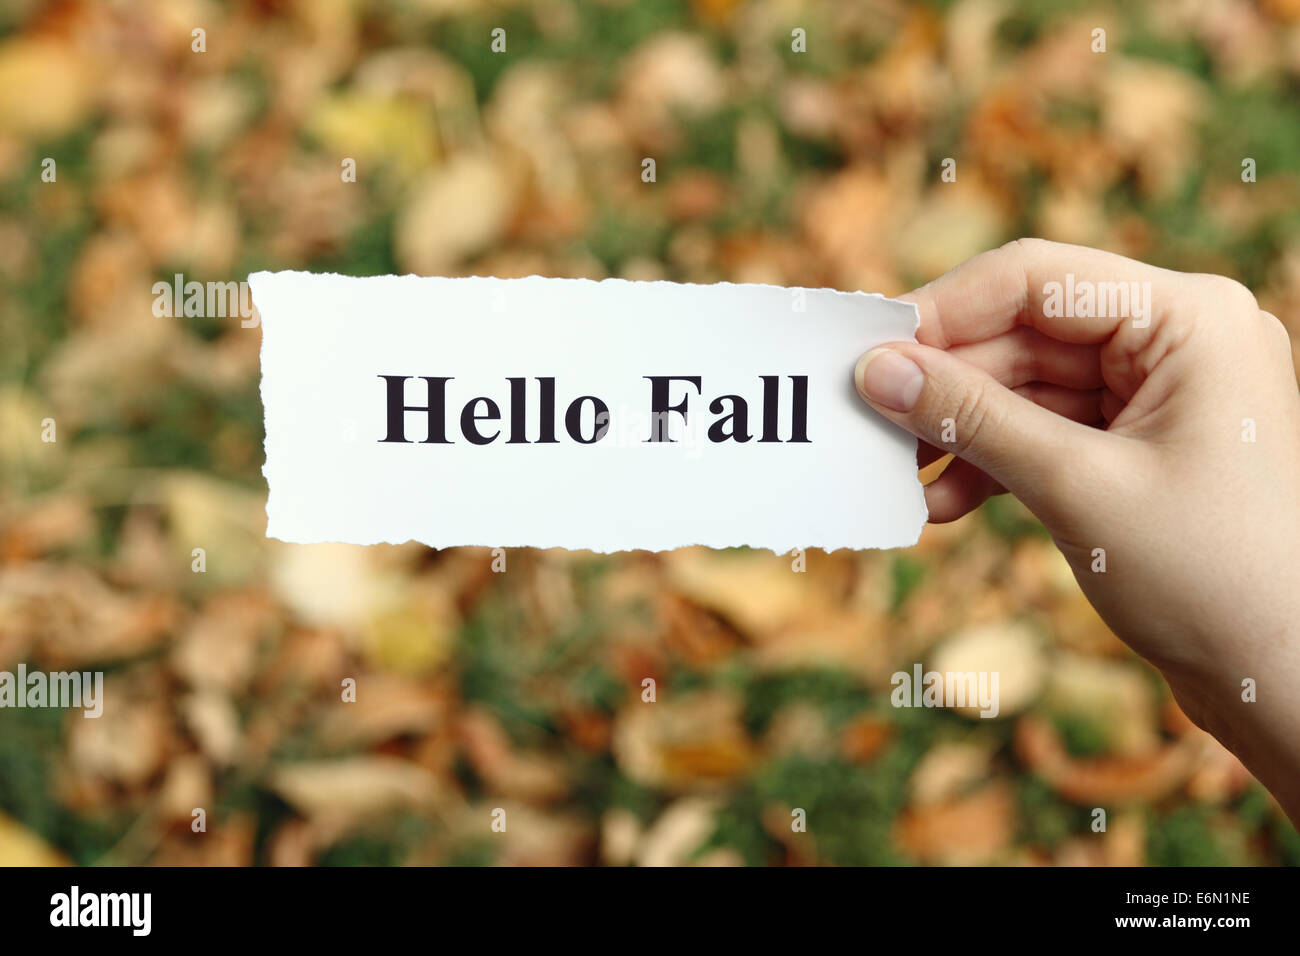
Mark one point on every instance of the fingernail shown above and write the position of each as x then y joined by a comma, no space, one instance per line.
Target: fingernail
889,378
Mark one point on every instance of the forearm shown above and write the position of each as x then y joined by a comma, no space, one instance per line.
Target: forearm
1252,711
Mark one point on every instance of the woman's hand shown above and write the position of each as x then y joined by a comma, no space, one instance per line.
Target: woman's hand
1160,447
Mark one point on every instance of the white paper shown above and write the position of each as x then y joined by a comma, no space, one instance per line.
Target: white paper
336,473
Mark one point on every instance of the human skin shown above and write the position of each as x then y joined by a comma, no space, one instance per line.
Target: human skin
1132,437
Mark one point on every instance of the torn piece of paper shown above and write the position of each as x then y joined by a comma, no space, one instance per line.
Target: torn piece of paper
603,416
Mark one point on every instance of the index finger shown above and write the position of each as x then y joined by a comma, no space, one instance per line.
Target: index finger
1072,293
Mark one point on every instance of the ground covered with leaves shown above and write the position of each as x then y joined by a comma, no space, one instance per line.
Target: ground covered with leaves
522,691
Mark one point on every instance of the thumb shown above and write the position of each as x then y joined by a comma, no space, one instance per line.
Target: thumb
960,408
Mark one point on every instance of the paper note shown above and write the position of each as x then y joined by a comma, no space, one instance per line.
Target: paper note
603,416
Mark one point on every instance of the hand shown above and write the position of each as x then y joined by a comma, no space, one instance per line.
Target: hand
1165,440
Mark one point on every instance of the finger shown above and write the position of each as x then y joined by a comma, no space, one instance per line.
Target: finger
1082,407
974,484
961,487
952,404
927,454
1111,405
958,491
1075,404
998,290
1026,355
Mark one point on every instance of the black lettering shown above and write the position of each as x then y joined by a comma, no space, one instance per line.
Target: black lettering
547,389
659,407
469,421
799,412
573,419
739,418
771,398
518,413
436,409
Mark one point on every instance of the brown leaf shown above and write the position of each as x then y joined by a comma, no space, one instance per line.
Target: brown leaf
966,830
355,787
511,772
693,741
1100,781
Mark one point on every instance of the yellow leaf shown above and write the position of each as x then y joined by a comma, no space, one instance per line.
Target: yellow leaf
19,846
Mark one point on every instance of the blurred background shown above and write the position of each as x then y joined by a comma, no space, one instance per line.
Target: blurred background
522,690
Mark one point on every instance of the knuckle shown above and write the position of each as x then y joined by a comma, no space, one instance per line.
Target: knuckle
1278,343
1233,294
970,416
1025,245
1018,252
1030,364
1276,328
